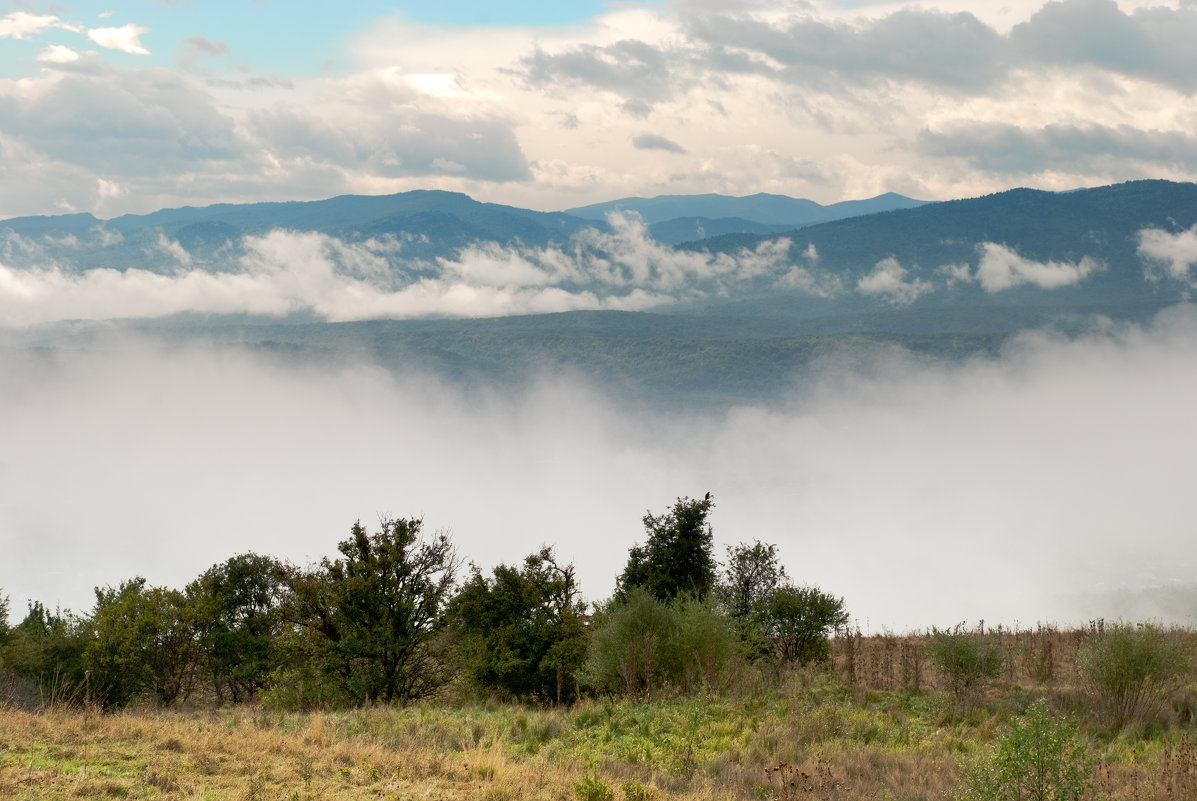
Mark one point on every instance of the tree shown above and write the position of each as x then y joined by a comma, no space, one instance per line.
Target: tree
521,630
238,619
749,577
370,618
144,638
677,557
799,620
46,650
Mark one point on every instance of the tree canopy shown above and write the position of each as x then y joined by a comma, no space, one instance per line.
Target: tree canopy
677,557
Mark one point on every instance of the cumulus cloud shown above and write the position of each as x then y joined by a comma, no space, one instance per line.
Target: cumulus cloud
991,486
142,122
23,25
1002,268
888,278
126,38
58,54
383,124
1174,253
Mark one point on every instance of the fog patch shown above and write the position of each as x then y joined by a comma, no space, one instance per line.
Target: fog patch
1002,268
925,494
888,279
1168,255
288,272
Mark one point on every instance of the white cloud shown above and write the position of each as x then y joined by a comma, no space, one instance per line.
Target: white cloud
285,272
22,24
1002,268
889,278
1176,253
126,38
58,54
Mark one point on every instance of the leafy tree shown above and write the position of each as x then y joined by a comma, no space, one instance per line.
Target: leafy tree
521,630
799,621
238,619
144,639
677,558
46,649
370,617
749,577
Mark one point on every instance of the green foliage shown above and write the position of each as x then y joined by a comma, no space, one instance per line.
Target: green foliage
799,620
642,644
749,577
1039,758
522,631
589,788
45,650
966,659
370,618
237,605
1130,671
4,627
678,557
143,639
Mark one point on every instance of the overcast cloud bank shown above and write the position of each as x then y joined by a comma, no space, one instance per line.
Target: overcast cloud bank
924,493
818,99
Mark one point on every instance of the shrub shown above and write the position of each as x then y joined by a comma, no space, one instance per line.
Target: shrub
1038,759
643,644
798,621
965,659
1131,671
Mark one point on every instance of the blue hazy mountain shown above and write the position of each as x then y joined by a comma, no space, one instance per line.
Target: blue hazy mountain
760,208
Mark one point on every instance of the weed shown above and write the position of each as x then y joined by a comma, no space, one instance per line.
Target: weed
589,788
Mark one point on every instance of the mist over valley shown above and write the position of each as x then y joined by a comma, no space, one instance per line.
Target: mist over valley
970,409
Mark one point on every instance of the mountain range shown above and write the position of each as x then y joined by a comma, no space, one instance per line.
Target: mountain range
720,320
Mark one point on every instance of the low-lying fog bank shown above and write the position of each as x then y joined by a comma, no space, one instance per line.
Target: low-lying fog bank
1011,489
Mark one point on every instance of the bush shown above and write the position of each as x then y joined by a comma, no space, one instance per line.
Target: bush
1131,671
1038,759
643,644
798,621
965,659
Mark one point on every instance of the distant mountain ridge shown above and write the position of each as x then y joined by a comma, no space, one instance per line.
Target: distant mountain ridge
432,223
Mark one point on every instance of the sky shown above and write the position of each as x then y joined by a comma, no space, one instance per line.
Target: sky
133,105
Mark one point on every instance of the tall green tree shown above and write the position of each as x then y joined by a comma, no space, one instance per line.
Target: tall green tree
521,631
238,608
677,558
370,618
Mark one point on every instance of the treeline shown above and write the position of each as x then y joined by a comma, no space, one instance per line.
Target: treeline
395,618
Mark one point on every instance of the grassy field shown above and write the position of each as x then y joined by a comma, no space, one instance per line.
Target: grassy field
875,724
